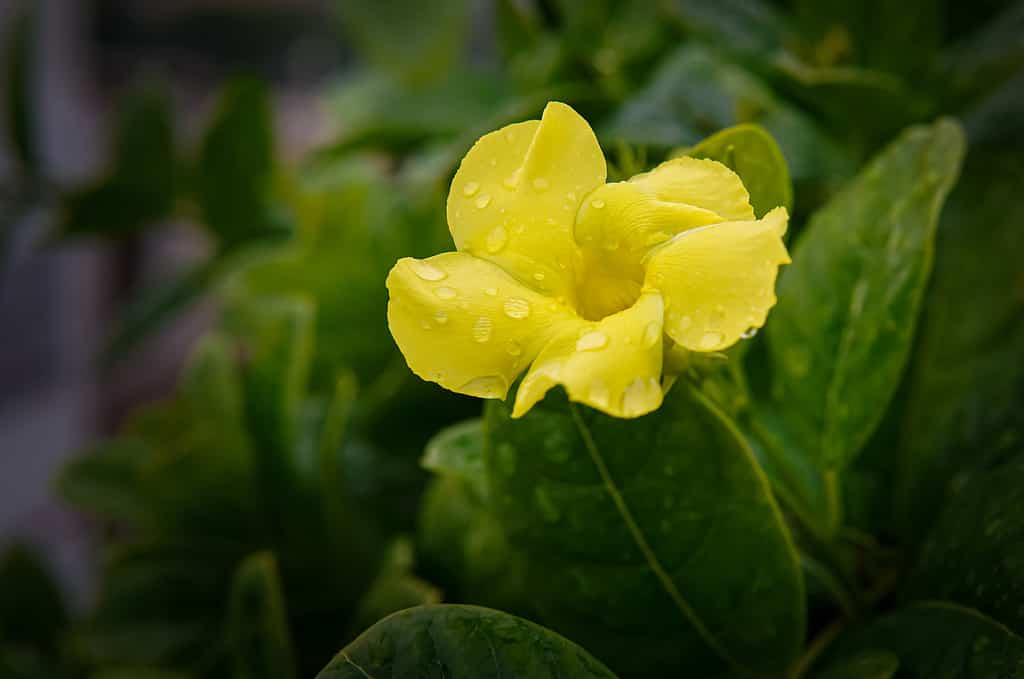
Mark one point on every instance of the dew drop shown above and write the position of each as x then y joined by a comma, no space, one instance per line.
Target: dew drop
652,333
750,332
591,341
599,394
517,308
426,271
493,162
470,189
571,196
710,340
513,348
444,292
539,276
483,201
685,322
482,329
639,397
441,317
488,386
512,181
540,184
491,291
496,239
597,203
510,136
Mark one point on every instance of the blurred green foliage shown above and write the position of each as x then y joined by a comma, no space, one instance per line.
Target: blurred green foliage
274,507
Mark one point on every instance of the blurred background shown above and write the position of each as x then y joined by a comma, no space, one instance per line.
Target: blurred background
165,163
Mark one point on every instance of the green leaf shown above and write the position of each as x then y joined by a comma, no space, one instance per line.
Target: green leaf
937,641
20,114
646,537
32,611
257,626
414,41
867,665
750,152
841,333
461,642
142,184
394,589
236,166
458,451
695,93
975,553
965,389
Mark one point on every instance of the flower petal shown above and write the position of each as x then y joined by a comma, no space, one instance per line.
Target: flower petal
719,281
515,197
464,323
620,223
702,183
613,365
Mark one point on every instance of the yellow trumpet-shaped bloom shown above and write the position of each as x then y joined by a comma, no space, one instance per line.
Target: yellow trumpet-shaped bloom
577,282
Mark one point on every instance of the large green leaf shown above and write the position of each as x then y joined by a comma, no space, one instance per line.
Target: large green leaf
654,541
842,330
458,451
751,153
965,395
416,41
461,642
975,553
257,626
938,641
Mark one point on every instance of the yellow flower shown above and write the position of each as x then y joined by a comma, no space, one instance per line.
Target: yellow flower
578,282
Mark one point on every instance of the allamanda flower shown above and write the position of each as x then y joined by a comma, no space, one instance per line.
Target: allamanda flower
578,282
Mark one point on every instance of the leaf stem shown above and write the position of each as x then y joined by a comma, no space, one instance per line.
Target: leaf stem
815,649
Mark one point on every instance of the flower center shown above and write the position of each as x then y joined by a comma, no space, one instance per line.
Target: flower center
603,290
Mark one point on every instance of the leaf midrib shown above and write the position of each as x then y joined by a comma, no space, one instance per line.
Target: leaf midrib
640,540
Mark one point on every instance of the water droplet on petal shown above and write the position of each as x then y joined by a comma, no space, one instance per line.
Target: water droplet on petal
513,348
591,341
426,271
571,196
483,201
470,189
652,333
599,394
539,276
444,292
488,386
496,239
750,332
710,340
685,322
491,291
510,136
517,308
441,317
493,162
482,329
512,181
640,396
597,203
540,184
